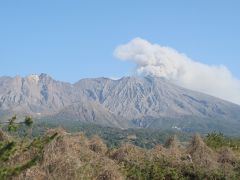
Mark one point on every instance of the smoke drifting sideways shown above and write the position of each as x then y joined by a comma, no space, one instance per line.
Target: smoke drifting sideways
166,62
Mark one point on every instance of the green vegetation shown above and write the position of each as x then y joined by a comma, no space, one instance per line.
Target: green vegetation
114,137
134,154
12,126
218,140
13,147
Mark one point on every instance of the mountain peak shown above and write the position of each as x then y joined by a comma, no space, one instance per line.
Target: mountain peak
33,77
36,77
44,75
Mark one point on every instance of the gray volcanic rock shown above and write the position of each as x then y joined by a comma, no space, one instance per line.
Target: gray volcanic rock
91,112
155,103
127,102
136,97
34,94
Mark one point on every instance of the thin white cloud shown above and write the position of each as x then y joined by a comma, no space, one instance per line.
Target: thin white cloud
156,60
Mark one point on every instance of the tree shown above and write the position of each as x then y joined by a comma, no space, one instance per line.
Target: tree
28,123
12,125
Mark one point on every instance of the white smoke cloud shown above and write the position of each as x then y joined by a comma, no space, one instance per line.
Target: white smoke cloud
156,60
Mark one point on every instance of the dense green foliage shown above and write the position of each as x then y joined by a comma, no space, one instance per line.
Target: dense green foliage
218,140
114,137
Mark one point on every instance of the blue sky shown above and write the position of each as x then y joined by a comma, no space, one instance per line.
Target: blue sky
74,39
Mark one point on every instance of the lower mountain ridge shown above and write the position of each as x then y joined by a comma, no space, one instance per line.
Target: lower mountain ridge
130,102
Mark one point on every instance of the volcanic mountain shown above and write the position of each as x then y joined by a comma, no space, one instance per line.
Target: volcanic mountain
130,102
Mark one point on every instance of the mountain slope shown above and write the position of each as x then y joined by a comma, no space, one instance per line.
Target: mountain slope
34,94
152,96
90,112
127,102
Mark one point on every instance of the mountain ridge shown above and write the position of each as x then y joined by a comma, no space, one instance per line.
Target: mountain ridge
127,102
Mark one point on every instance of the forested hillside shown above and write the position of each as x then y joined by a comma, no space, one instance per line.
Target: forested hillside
58,154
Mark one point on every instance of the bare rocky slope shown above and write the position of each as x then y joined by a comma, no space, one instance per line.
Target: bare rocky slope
127,102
